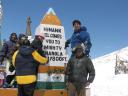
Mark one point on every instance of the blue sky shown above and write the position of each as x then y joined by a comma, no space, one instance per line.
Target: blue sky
106,20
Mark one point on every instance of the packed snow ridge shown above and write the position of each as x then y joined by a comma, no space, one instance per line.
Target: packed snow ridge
106,83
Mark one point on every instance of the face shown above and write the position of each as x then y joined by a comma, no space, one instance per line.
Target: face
77,26
14,37
79,53
41,38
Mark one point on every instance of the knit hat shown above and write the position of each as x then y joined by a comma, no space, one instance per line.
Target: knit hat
22,36
39,33
78,48
23,39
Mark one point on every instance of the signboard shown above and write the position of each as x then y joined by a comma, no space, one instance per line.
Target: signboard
54,43
52,75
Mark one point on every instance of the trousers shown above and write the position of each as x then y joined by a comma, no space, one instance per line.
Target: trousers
76,89
26,89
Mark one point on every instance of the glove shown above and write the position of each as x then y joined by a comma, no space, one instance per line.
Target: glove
67,44
11,68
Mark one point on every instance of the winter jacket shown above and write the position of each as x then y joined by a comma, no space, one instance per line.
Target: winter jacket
79,68
37,45
7,50
79,37
26,61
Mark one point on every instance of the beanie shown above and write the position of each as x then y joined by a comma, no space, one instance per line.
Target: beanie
39,33
22,36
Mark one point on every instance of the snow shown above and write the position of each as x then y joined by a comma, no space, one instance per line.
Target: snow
106,83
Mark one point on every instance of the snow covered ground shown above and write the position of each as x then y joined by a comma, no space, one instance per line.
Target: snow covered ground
106,83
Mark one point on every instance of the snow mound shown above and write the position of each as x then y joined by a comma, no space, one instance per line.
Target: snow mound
106,83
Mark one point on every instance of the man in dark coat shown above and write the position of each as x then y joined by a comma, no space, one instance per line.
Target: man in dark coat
78,68
80,36
37,42
8,49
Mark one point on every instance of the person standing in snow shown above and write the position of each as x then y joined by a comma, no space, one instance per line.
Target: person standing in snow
80,72
80,36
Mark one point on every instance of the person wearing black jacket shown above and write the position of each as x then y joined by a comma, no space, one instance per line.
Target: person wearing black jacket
78,68
26,61
37,42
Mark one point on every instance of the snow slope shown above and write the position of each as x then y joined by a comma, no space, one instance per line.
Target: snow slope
106,83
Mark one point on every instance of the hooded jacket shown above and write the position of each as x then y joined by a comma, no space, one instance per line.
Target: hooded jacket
79,37
79,68
26,61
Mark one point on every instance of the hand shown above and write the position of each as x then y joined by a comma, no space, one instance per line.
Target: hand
87,84
11,68
47,61
67,44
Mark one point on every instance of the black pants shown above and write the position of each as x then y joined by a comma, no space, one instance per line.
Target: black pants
26,89
9,78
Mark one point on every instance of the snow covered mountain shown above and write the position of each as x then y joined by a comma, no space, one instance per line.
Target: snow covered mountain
106,83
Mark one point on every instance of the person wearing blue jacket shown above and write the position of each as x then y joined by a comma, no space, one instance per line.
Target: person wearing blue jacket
80,36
